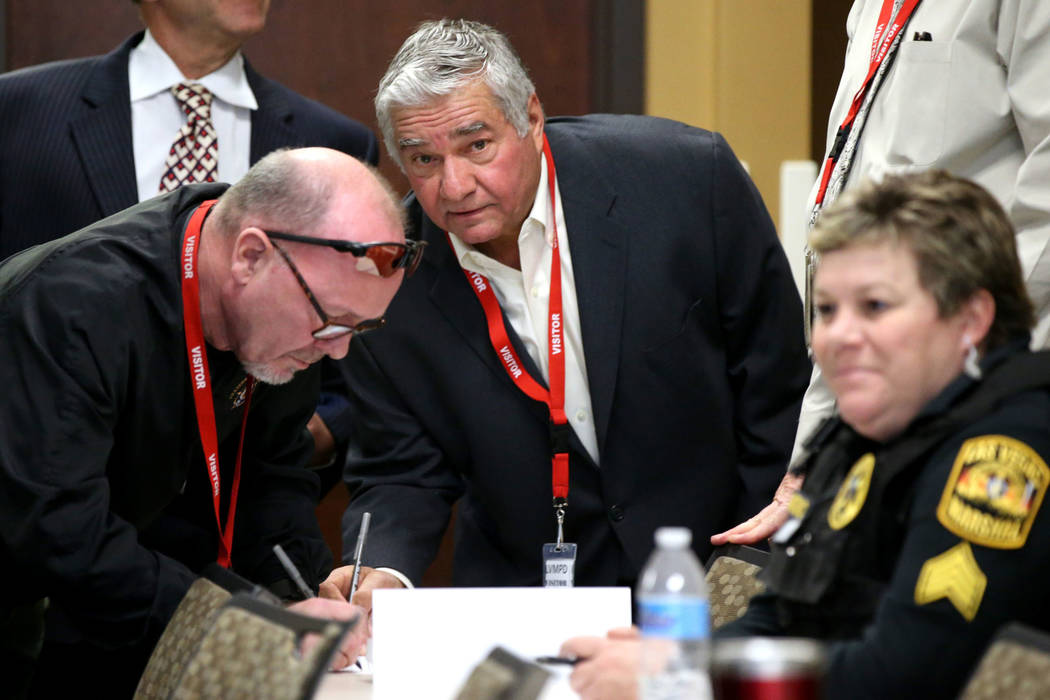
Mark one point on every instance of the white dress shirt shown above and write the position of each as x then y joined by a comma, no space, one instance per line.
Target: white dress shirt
974,100
156,116
524,296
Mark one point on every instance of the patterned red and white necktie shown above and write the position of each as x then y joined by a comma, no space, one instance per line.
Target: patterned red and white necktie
194,157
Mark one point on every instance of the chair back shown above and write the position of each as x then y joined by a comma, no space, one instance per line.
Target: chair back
184,631
252,651
503,676
1016,665
732,580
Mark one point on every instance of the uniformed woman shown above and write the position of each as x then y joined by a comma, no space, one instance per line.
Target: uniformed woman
918,531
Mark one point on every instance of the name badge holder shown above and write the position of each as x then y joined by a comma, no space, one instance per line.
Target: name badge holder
559,558
559,564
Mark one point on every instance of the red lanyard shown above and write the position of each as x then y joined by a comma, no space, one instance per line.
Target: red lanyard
555,397
200,378
885,33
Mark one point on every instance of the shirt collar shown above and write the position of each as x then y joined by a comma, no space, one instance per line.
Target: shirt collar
535,224
538,219
151,71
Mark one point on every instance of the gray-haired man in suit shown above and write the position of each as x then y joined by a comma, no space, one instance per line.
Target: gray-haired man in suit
679,332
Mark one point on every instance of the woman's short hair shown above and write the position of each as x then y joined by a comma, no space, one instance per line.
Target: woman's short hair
961,238
442,56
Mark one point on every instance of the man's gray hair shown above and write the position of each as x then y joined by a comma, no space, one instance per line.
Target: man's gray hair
442,56
278,192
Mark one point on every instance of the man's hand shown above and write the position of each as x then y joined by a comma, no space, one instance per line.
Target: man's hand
354,643
768,521
608,668
337,585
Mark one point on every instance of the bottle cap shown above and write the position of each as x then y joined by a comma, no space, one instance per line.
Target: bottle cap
673,537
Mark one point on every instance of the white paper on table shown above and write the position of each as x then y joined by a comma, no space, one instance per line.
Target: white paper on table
426,641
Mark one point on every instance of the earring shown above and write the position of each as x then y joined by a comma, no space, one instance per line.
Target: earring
970,365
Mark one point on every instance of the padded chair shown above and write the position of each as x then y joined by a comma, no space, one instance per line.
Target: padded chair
191,621
503,676
252,652
179,641
732,572
1016,665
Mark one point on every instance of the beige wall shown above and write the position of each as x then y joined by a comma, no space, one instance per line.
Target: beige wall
740,67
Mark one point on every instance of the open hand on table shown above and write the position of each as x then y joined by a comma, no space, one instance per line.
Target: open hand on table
768,520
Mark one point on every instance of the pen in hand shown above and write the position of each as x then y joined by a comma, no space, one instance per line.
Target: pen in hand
293,572
366,518
561,660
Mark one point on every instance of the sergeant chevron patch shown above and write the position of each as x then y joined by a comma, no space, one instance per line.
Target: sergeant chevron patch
954,575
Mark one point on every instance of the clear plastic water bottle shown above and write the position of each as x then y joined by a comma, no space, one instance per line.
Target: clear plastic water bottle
674,621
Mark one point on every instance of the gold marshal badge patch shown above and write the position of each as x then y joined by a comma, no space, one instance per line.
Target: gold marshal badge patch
850,498
994,491
956,576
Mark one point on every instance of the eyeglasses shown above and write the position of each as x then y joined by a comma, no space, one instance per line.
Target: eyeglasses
328,330
388,257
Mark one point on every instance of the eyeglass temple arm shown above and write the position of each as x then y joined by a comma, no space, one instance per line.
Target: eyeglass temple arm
342,245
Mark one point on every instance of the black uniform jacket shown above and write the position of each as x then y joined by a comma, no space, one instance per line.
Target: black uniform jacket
912,553
695,365
104,498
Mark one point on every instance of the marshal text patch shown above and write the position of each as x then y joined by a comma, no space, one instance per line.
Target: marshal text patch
994,491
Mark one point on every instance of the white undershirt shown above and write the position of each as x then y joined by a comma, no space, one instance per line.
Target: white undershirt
156,116
524,295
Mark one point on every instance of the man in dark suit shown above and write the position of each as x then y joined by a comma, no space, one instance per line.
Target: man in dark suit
675,356
77,143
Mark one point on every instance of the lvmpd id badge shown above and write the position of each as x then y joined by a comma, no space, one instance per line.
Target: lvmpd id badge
559,564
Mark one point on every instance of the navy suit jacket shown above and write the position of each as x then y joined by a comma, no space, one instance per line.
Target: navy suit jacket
692,333
66,155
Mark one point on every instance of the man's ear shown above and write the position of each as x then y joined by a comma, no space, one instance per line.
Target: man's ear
536,120
250,254
978,313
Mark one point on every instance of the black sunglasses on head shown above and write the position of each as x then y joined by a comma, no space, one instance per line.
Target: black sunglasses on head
388,257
